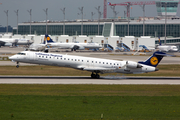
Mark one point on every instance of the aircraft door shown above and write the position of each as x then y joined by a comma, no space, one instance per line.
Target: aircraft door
33,56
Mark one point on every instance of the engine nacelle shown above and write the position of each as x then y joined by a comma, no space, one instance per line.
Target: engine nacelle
131,64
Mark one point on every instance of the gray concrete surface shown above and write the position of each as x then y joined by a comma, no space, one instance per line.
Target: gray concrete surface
87,80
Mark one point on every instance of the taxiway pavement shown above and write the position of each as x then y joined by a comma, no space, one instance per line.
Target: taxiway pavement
87,80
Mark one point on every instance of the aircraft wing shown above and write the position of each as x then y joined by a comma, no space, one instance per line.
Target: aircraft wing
100,69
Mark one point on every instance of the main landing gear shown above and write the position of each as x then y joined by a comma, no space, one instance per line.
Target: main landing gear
17,65
95,75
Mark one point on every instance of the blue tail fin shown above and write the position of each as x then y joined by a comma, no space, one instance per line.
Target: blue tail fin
154,59
48,38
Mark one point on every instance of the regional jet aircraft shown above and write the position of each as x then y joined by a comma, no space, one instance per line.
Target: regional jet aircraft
14,42
94,65
72,46
166,48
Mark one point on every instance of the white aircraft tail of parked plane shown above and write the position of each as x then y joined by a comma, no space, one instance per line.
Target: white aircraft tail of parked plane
72,46
38,47
166,48
94,65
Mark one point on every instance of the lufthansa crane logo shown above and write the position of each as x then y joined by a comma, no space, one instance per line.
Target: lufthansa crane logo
48,38
154,61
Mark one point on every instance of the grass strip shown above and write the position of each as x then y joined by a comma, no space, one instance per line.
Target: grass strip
90,90
89,102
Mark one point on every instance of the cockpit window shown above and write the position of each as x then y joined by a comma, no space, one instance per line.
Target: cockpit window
21,53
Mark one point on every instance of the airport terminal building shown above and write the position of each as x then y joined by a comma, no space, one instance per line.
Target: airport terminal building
121,27
153,28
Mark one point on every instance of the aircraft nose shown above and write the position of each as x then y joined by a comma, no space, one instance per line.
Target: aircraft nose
12,57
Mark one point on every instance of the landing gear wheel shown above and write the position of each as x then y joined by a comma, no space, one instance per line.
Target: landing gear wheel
17,66
95,75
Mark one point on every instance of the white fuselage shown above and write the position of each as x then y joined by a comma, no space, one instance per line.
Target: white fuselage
37,47
10,41
71,45
24,42
15,41
166,48
82,63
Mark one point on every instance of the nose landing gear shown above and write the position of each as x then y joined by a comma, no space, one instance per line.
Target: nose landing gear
17,66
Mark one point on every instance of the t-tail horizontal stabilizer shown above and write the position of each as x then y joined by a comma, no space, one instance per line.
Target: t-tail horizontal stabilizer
155,59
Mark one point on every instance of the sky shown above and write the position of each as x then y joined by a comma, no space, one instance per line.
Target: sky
54,12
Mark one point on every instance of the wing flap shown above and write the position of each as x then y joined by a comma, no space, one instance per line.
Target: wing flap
100,69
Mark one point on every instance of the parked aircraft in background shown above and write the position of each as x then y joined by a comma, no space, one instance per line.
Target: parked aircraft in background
72,46
8,42
24,42
14,42
38,47
94,65
166,48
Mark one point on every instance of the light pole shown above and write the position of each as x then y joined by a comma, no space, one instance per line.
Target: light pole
143,7
46,10
165,22
63,10
17,19
128,15
81,9
7,20
29,11
99,15
92,14
115,14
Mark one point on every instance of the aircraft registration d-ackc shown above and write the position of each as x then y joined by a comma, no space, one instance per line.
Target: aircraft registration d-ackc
94,65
